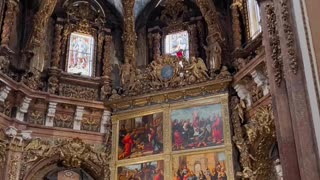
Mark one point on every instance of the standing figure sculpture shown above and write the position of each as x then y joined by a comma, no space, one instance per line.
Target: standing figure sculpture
213,53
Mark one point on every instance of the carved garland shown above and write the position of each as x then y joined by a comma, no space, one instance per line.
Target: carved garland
274,43
289,36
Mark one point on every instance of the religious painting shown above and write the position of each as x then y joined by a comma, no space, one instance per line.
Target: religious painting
80,54
177,44
140,136
211,165
143,171
197,127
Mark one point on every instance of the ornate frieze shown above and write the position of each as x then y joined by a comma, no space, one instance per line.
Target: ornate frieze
36,117
274,43
79,92
64,120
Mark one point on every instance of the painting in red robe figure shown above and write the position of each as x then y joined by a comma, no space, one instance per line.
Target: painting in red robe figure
128,143
180,53
217,130
142,171
145,137
177,44
197,127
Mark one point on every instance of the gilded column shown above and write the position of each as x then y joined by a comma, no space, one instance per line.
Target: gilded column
107,86
53,81
193,40
65,34
8,22
57,46
235,7
156,45
129,35
129,39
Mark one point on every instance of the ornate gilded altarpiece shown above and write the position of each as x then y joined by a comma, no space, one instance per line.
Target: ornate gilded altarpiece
162,141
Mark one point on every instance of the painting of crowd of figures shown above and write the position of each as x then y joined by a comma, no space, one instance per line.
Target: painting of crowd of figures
178,141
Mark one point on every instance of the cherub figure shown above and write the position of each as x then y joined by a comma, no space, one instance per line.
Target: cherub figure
198,70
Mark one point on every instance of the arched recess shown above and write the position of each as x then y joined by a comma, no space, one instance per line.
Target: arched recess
48,165
68,153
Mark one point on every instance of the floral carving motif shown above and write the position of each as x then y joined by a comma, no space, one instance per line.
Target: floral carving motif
290,40
274,43
78,92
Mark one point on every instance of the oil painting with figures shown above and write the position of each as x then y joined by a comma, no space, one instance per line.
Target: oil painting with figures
210,166
140,136
197,127
142,171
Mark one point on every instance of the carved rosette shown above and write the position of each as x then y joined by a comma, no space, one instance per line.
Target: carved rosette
9,19
274,43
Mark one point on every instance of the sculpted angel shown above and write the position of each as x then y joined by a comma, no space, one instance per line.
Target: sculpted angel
198,70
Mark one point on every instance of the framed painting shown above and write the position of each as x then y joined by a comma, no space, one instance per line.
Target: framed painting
140,136
153,170
197,127
208,165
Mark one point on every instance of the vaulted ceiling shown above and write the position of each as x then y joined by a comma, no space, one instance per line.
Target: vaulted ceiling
139,5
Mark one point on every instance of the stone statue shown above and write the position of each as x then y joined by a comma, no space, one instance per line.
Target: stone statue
125,71
213,52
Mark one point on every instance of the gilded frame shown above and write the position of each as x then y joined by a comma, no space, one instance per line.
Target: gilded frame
168,155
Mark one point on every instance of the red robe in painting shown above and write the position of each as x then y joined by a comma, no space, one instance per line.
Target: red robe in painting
178,140
180,54
217,130
128,142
